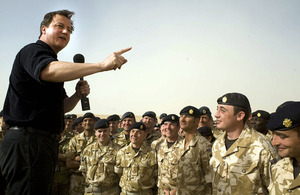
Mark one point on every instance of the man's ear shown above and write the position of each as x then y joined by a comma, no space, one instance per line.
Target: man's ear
240,116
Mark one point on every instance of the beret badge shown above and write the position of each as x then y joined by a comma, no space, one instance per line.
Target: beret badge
141,127
173,118
191,111
258,115
204,111
287,123
224,99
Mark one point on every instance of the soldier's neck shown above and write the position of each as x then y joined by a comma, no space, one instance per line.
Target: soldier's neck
88,133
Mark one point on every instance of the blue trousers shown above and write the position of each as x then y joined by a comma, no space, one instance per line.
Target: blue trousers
27,162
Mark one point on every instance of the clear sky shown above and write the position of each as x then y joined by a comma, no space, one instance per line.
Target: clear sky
187,52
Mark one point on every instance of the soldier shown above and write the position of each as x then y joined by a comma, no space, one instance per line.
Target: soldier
122,138
157,142
162,116
242,157
98,161
259,122
168,154
69,119
285,124
206,120
75,148
149,119
136,164
193,166
207,133
77,126
114,121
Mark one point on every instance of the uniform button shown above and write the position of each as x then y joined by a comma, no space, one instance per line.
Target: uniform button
289,191
243,171
224,158
224,163
219,190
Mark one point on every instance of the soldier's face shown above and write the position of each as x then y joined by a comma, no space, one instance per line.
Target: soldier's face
225,117
113,126
137,136
148,121
188,123
258,124
171,129
102,135
287,143
127,123
88,123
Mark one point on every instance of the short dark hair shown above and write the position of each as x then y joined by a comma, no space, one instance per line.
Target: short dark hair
247,112
49,16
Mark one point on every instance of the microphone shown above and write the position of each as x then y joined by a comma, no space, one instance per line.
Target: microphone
85,104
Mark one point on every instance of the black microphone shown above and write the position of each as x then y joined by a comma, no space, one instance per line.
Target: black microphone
85,104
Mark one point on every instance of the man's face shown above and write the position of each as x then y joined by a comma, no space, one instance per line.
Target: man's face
287,143
204,121
68,124
113,126
88,124
78,128
225,117
57,35
127,123
171,129
149,122
137,136
102,135
188,123
259,124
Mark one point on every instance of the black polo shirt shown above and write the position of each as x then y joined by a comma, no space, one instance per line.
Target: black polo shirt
31,102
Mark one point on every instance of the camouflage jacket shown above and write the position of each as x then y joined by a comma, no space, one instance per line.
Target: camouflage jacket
98,164
77,145
245,167
283,181
153,136
120,139
138,170
194,172
167,160
155,144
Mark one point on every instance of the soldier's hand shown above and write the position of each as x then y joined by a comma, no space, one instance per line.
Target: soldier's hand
77,158
115,60
82,88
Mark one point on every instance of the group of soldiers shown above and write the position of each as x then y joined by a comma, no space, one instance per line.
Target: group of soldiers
239,153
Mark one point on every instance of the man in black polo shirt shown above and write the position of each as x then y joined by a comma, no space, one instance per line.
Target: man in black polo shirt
35,95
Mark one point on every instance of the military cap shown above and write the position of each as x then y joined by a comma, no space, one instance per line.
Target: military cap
204,110
150,114
261,114
157,125
190,110
101,124
235,99
73,116
287,116
113,117
77,121
67,116
127,115
205,131
162,115
171,118
139,126
88,115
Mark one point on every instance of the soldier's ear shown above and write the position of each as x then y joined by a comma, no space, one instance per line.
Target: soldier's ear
240,116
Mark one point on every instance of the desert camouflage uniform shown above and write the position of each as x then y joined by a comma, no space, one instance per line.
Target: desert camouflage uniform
217,133
269,135
61,181
283,181
153,136
156,143
194,172
75,148
167,160
97,162
138,170
245,167
120,139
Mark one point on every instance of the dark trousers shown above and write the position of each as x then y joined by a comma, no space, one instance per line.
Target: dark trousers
27,162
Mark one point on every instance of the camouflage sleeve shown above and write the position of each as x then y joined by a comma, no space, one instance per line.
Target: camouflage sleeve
118,168
268,158
83,161
206,154
71,149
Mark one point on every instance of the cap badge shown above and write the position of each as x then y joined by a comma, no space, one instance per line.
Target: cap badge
191,111
287,123
224,99
173,118
204,111
141,127
130,115
258,115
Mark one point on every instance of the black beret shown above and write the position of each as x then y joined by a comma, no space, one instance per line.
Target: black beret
205,131
171,118
88,115
101,124
190,110
287,116
77,121
150,114
139,126
127,115
113,117
204,110
235,99
67,116
157,125
73,116
261,114
162,115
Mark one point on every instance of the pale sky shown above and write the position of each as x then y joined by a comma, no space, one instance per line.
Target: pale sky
187,52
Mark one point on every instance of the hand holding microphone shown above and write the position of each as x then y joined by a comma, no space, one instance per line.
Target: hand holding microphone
85,104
